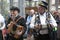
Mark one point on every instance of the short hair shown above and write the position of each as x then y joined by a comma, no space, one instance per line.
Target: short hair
15,8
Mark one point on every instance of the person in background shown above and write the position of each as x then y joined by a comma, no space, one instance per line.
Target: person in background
29,30
2,27
57,18
42,22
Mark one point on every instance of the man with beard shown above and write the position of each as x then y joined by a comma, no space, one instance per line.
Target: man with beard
41,23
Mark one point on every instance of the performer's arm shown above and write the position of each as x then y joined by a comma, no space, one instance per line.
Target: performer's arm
53,22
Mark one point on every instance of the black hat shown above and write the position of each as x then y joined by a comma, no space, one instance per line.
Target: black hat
15,8
44,4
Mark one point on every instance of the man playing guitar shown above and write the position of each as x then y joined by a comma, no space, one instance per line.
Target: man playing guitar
16,25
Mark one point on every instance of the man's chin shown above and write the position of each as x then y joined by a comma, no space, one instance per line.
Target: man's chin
41,13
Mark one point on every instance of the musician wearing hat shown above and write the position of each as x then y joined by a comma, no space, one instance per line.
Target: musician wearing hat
16,26
2,26
41,22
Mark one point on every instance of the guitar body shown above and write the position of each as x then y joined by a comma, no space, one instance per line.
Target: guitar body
19,28
10,29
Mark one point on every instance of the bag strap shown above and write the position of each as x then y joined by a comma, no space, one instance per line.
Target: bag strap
37,18
48,17
18,19
48,20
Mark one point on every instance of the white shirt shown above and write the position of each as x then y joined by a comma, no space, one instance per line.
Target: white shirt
2,20
43,21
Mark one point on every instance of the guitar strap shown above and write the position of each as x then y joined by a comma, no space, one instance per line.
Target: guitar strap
17,20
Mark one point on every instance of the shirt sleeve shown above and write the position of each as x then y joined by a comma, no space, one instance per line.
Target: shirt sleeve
52,21
23,23
32,22
2,23
27,20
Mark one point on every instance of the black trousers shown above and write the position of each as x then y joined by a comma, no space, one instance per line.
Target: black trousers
8,37
53,35
1,36
42,37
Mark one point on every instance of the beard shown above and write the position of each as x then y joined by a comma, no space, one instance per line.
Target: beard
41,13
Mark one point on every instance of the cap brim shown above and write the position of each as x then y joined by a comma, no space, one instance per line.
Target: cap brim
45,2
43,6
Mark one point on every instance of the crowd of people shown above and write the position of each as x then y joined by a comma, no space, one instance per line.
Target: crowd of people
41,24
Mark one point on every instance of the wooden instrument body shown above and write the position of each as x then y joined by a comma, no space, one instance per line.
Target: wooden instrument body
10,29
